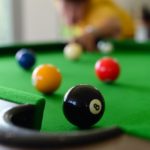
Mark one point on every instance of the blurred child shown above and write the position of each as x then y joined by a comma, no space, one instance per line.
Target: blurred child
142,32
146,19
92,20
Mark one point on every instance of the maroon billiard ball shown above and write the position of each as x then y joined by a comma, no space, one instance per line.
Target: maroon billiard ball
107,69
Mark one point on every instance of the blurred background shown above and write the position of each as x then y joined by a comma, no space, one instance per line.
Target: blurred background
37,20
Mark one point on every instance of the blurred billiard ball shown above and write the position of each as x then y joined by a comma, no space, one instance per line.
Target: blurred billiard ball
107,69
73,51
46,78
105,47
83,106
26,58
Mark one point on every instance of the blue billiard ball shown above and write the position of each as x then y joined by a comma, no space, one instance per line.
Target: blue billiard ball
25,58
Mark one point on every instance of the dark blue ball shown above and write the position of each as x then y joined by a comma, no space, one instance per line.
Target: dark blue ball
25,58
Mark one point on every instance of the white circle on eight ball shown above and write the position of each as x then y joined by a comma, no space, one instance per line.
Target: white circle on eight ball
95,106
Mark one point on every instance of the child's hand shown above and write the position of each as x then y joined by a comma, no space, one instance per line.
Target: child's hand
88,41
108,29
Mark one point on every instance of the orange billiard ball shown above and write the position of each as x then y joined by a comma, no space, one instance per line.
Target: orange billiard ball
46,78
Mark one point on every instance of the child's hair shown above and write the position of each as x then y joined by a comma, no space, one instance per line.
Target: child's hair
146,14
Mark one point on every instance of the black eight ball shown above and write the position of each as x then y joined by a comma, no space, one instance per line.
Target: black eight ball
83,106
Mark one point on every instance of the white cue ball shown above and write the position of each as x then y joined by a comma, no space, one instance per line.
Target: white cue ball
73,51
105,47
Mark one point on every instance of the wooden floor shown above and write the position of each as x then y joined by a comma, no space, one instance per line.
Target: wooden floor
123,142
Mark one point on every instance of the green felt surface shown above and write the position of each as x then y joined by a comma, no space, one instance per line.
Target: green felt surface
127,100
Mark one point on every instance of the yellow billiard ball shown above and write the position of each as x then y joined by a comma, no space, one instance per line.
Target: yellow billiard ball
46,78
73,51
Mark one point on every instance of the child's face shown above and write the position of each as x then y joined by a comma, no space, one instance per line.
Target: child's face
73,11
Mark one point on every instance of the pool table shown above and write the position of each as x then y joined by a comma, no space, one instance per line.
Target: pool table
29,118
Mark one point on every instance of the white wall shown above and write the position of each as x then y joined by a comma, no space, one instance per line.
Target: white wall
5,21
40,21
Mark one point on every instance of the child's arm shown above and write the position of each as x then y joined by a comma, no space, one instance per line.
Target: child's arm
109,29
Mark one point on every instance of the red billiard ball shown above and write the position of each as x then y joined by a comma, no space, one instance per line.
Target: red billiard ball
107,69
